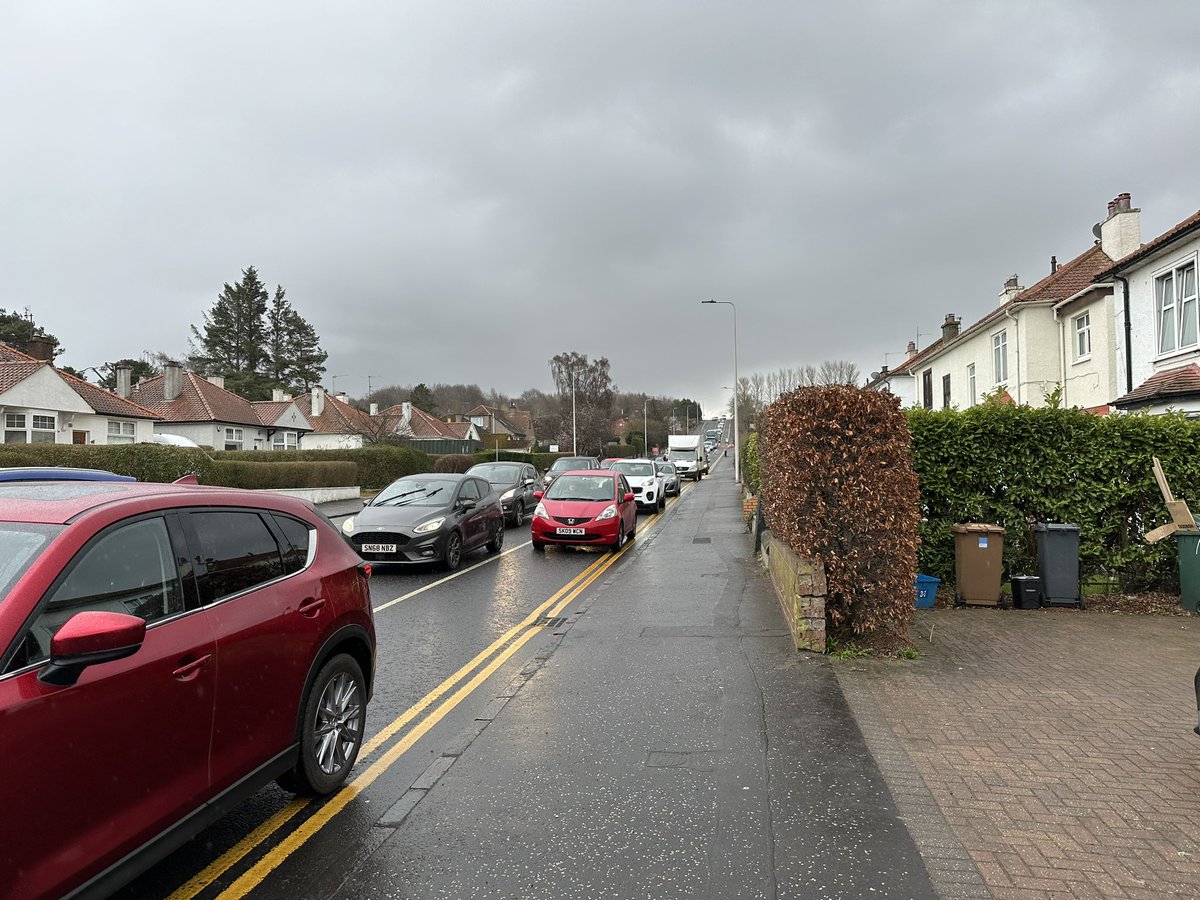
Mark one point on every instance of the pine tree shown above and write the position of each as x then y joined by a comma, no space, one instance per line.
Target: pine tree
295,360
232,343
18,329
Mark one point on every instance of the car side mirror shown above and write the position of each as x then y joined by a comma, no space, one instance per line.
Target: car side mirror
538,495
89,638
466,505
529,481
628,498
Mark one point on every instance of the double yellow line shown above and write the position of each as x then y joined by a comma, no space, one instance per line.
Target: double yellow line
499,652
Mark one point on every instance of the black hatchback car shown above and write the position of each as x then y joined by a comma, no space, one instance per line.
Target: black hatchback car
433,517
515,482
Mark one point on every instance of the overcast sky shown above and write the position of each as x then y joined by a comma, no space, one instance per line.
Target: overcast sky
455,192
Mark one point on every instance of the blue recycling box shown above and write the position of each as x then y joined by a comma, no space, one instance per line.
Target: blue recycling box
926,586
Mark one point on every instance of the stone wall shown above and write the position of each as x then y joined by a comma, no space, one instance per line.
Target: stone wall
800,586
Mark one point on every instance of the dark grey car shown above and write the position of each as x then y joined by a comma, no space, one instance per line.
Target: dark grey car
428,518
515,482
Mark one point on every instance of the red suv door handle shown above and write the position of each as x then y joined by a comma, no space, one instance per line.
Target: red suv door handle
190,670
312,606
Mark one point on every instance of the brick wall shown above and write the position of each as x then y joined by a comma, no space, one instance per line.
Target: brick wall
800,586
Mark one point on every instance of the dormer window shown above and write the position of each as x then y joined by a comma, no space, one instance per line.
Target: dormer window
1175,298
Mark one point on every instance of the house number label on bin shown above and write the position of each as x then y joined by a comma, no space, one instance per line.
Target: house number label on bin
983,543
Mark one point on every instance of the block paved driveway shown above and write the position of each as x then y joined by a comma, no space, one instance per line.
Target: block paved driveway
1044,753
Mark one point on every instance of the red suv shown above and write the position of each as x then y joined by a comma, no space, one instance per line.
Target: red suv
165,651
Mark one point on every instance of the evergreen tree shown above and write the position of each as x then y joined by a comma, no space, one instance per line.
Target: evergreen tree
295,360
422,398
140,369
18,329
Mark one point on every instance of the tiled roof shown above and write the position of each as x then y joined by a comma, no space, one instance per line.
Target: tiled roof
506,419
1181,382
12,373
1069,279
910,364
460,430
269,411
336,417
106,403
421,424
9,353
1187,226
199,400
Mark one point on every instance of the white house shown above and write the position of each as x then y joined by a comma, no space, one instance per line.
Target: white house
1058,335
42,405
1156,316
336,425
202,410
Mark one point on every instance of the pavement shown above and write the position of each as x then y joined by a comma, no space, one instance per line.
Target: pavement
674,744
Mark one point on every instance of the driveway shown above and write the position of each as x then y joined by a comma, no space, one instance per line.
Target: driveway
1044,753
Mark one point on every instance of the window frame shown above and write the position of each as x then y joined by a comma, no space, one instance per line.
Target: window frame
25,426
971,388
120,435
946,391
234,437
1083,334
284,433
1000,357
1176,306
927,388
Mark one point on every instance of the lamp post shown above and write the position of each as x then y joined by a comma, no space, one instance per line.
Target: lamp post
645,429
574,439
737,462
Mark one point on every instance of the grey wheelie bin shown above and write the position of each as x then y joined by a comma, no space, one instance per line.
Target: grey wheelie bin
1058,563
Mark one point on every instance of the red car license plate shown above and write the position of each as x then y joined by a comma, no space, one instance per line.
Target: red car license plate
379,548
569,531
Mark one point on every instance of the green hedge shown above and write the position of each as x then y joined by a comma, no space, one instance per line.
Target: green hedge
749,463
1015,466
377,466
145,462
271,474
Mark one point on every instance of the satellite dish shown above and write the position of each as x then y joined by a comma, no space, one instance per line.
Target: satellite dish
874,375
1096,230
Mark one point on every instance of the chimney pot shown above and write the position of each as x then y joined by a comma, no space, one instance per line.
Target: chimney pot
1053,264
40,348
374,409
950,328
911,348
318,400
277,395
218,380
343,397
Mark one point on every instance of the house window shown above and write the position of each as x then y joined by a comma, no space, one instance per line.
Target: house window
283,440
1175,296
1083,336
234,438
20,428
121,432
971,383
1000,356
927,388
946,391
14,429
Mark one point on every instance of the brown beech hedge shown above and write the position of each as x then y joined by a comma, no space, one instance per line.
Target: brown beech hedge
838,486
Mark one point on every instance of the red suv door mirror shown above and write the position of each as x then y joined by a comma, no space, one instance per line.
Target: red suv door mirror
88,638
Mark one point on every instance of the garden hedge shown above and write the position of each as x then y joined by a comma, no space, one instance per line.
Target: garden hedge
838,486
1015,466
378,466
145,462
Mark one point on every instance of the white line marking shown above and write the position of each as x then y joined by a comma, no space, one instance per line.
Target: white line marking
451,577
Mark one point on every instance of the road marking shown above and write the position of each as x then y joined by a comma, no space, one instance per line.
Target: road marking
450,577
275,857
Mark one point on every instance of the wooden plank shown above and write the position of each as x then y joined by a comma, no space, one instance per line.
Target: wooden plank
1180,514
1162,531
1161,478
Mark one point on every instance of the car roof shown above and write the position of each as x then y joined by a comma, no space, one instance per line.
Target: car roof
590,473
58,502
59,473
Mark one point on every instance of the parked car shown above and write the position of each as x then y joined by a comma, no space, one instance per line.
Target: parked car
165,652
589,506
435,517
645,480
670,477
59,473
607,462
515,482
567,464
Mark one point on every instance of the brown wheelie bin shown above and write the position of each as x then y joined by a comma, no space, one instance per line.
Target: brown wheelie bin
978,560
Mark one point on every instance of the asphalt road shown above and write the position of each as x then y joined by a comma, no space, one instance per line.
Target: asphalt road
430,624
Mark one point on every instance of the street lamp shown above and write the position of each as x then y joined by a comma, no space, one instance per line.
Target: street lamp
574,439
737,463
645,429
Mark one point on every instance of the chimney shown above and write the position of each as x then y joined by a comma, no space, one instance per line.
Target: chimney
343,397
1012,287
218,380
406,412
1121,232
40,348
172,381
1053,264
124,381
374,409
318,400
950,328
277,395
911,349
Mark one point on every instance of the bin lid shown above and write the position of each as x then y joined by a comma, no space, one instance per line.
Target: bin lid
976,528
1055,526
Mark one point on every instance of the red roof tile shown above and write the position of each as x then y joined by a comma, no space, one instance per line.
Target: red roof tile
337,417
1070,279
421,423
13,373
199,400
1181,382
106,403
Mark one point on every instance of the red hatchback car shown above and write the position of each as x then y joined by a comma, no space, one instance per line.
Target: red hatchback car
595,506
165,651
